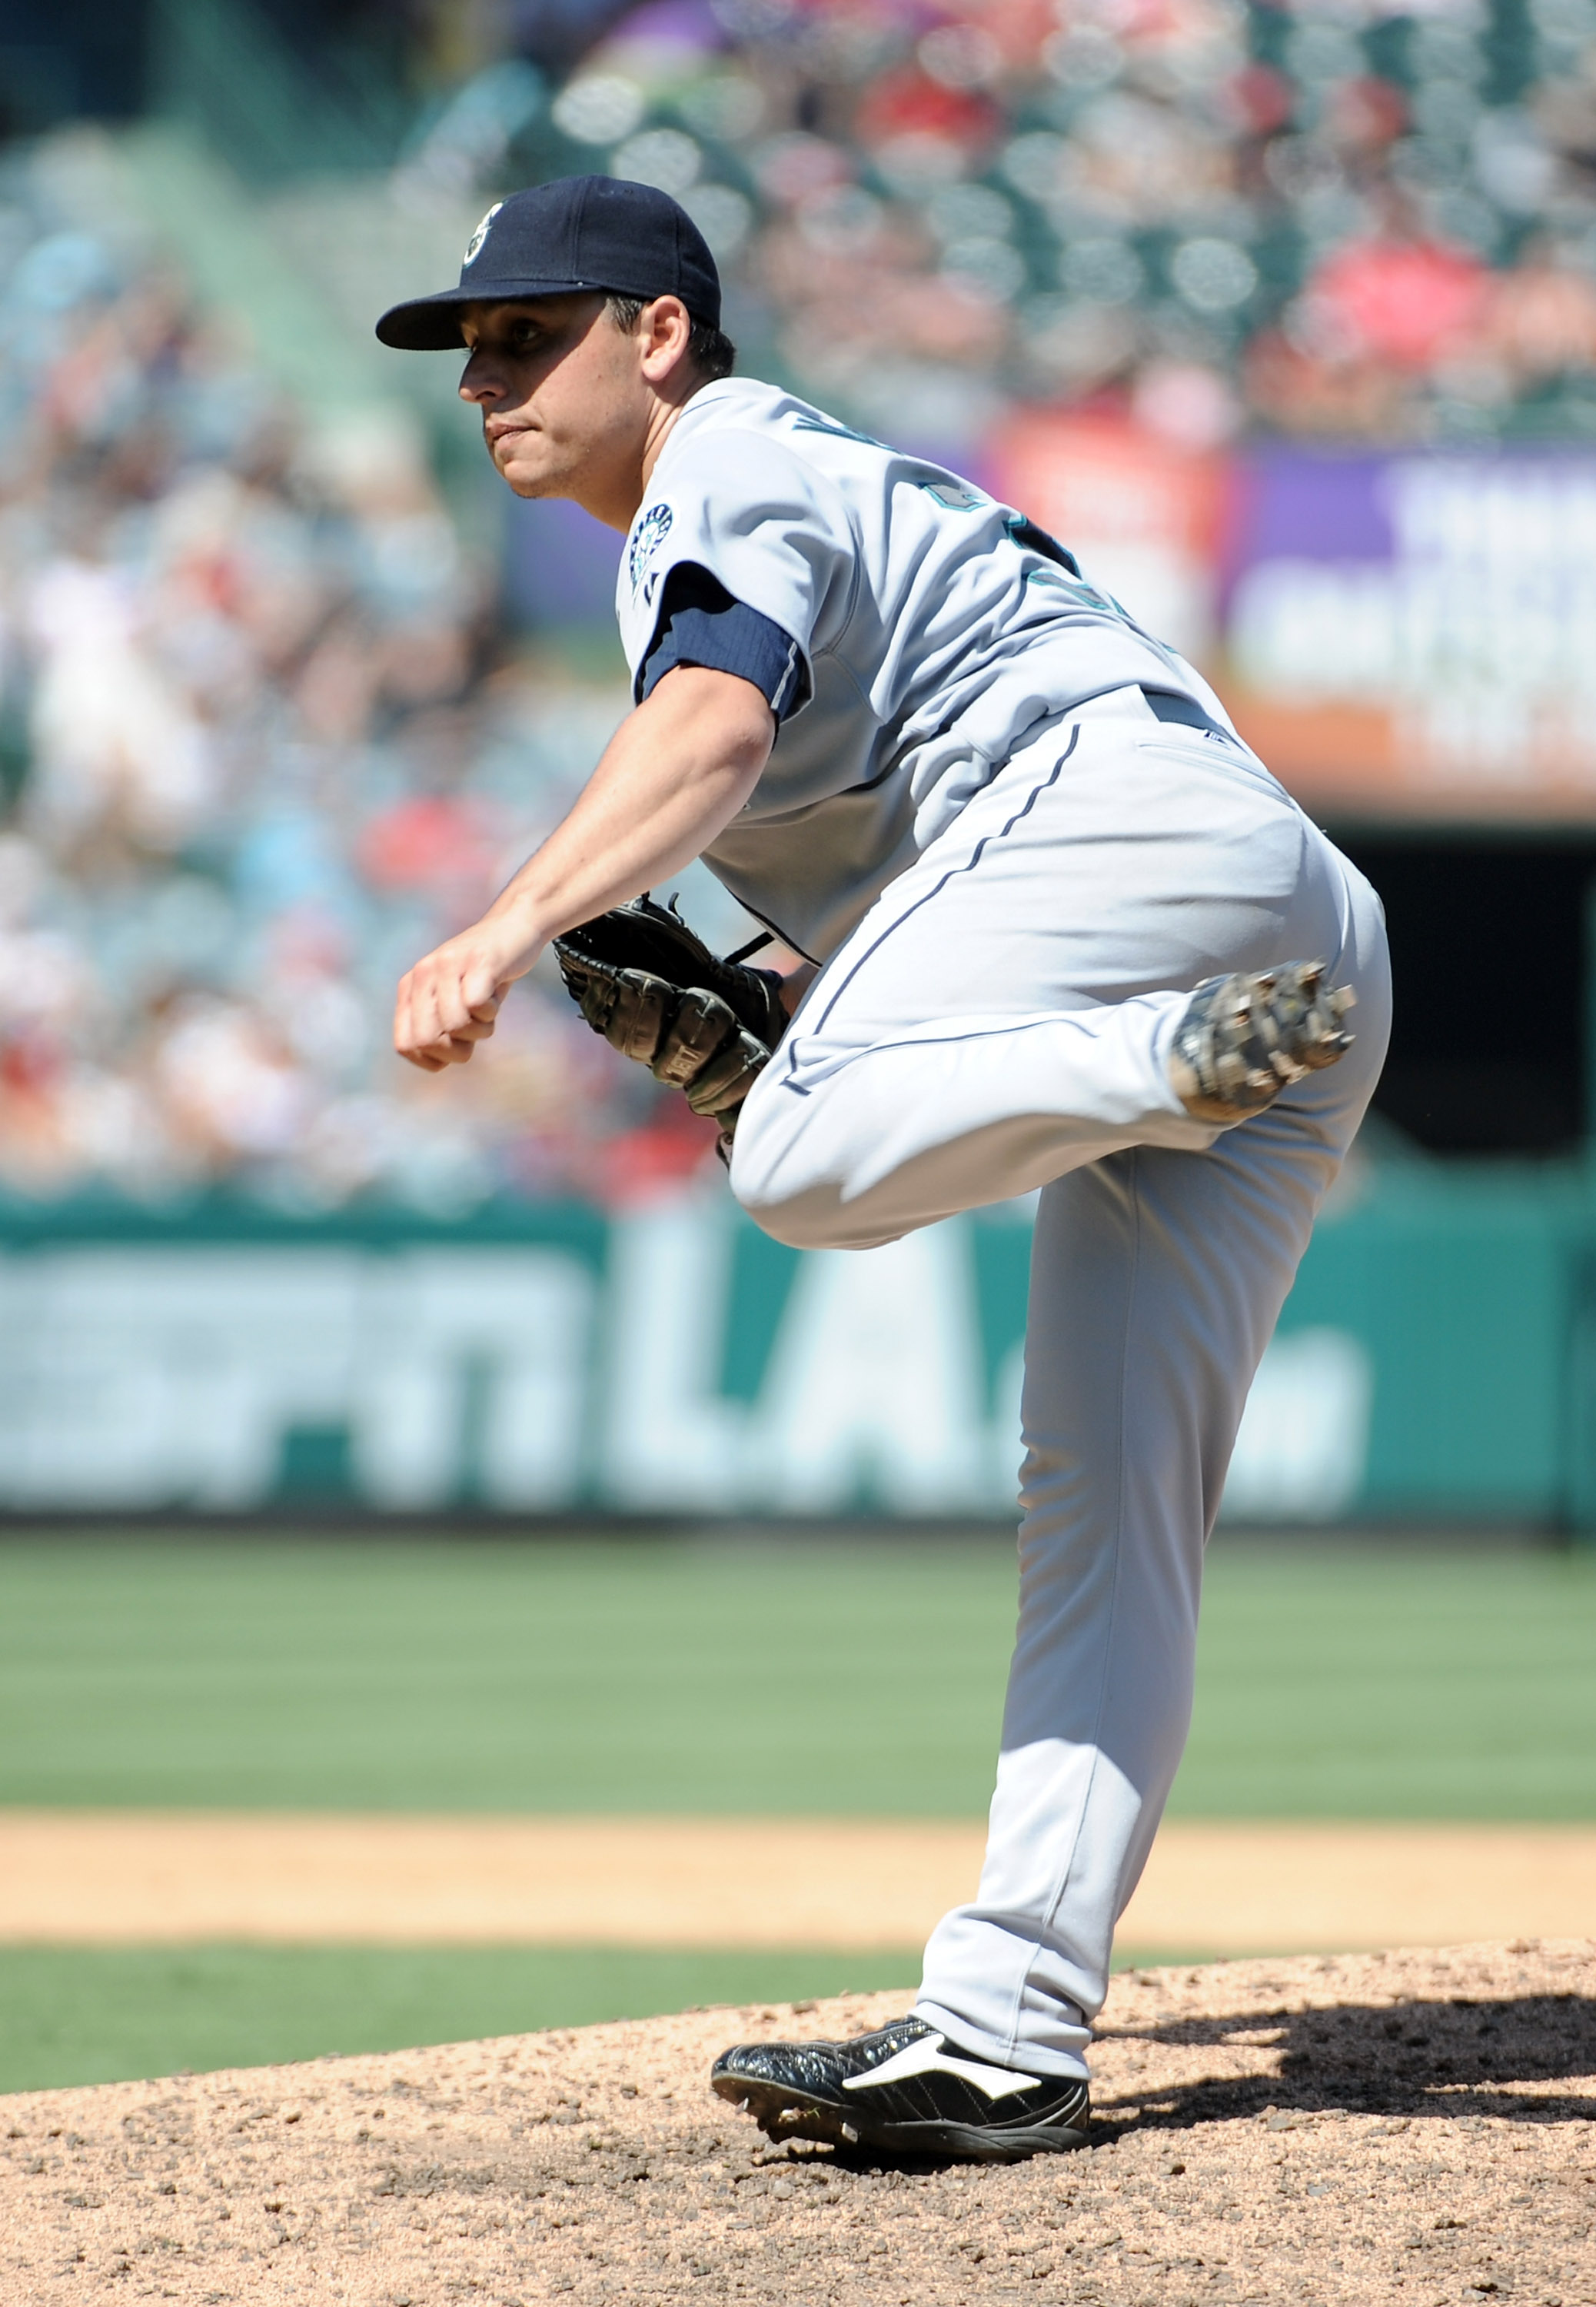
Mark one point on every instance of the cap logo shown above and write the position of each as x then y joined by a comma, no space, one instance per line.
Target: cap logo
479,235
651,531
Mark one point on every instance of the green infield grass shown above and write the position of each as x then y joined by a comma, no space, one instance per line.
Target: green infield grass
109,2014
103,2014
1337,1679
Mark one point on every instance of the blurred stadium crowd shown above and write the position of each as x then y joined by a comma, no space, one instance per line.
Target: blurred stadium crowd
1354,219
261,746
267,727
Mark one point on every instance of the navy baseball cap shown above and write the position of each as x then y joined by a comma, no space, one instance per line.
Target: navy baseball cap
580,231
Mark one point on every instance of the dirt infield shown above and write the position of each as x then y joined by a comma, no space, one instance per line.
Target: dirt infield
76,1878
1414,2128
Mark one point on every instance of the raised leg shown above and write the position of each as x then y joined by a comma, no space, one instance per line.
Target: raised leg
1007,1010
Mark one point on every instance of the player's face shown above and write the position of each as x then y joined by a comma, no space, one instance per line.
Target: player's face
565,400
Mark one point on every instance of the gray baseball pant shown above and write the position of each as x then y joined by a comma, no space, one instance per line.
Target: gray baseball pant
1000,1022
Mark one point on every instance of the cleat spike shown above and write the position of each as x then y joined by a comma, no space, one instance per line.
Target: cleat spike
1245,1038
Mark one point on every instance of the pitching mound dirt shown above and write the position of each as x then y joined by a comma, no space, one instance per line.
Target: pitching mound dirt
1411,2128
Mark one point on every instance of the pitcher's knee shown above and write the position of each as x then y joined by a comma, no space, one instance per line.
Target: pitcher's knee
810,1175
788,1199
803,1215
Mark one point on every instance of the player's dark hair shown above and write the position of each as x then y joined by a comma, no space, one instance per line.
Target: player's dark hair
710,351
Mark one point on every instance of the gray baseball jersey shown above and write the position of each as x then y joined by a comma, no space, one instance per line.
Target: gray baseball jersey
929,627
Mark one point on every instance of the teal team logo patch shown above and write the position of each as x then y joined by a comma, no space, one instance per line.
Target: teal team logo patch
650,534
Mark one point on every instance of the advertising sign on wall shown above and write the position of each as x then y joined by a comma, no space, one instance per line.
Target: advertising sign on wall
1406,635
670,1360
1417,634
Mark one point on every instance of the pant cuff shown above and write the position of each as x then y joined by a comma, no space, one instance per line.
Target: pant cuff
1018,2056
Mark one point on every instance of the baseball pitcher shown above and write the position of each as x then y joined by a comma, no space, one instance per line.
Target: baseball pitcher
1063,929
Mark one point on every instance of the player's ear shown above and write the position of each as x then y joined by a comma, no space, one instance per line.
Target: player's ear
667,329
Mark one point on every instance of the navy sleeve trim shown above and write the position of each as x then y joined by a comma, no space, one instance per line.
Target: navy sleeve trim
1025,532
700,622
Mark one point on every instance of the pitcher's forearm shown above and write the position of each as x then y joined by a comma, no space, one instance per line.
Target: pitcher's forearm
673,776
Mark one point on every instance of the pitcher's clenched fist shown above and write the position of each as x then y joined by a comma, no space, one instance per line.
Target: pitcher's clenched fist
450,999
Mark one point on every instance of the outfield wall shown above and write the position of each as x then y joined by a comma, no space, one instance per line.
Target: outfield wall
1436,1359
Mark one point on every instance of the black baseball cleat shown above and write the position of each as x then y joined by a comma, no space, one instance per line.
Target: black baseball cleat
907,2088
1243,1040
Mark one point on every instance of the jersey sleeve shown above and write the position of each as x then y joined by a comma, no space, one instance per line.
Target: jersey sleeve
763,527
701,623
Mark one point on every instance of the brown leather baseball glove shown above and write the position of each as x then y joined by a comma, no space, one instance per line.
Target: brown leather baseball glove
657,993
